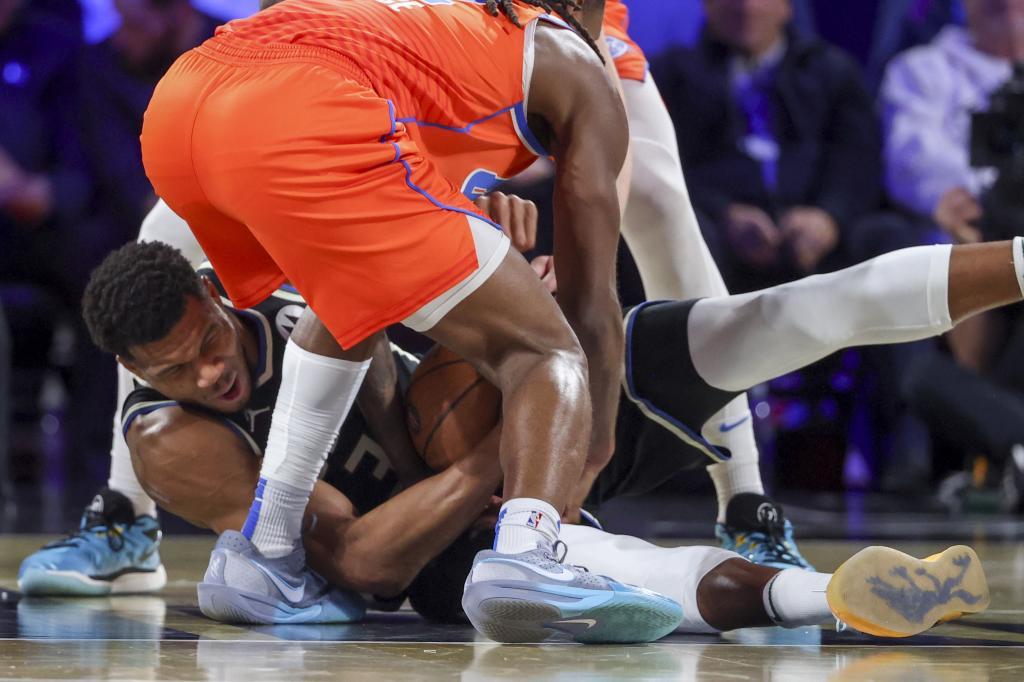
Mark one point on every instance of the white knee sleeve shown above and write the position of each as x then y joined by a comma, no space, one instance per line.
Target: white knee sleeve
739,341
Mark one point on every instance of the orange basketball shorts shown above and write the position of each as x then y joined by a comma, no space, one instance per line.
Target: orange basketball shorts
288,166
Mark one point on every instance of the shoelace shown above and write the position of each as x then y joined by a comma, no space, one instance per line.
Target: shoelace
565,551
777,543
94,523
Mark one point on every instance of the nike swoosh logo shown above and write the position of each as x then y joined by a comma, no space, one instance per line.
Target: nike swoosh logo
589,622
290,592
726,428
563,577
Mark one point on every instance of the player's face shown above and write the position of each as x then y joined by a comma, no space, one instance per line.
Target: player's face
200,361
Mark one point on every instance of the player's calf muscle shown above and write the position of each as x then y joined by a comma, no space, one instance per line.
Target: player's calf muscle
729,596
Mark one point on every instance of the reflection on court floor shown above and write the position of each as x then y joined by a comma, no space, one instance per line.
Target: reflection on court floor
165,637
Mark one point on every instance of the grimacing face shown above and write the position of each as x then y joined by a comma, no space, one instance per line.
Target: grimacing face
201,360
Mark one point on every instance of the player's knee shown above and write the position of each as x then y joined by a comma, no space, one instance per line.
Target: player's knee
564,368
551,354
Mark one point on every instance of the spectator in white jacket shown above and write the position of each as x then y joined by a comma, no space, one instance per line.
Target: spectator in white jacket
927,97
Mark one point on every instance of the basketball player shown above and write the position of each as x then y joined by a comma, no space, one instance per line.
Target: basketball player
736,475
384,550
243,140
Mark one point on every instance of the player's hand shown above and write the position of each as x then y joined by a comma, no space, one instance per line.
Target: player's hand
811,234
753,234
489,518
517,217
544,266
956,212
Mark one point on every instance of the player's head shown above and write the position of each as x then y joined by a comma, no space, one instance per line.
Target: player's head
748,26
167,325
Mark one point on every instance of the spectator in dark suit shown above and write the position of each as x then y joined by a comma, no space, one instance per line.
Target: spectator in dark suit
120,74
778,138
44,180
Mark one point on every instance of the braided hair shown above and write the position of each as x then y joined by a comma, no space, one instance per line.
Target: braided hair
562,8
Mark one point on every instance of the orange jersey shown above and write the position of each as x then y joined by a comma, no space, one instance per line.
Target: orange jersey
453,73
630,61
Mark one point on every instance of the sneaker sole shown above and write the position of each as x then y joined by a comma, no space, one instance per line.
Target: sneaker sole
884,592
229,605
75,584
514,613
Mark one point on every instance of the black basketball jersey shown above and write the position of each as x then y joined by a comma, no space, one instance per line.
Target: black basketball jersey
357,466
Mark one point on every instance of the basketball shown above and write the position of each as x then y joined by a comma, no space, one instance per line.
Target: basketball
449,408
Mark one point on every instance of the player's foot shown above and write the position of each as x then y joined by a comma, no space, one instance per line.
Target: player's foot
756,528
243,586
884,592
531,596
113,552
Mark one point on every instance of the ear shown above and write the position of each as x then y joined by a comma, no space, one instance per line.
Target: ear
211,288
127,363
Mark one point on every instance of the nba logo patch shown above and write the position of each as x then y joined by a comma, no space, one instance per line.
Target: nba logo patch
534,520
616,47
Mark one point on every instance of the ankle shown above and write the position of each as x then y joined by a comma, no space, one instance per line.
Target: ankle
525,524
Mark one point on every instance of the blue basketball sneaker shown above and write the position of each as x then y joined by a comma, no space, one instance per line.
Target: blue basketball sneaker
243,586
113,552
531,596
756,528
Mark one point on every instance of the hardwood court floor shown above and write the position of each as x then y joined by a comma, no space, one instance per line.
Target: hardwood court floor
165,638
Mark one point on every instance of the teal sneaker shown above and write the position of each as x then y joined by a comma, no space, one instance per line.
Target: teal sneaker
756,529
531,597
113,552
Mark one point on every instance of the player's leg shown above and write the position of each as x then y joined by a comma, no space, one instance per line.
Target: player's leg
903,296
721,591
88,563
661,229
687,358
174,152
83,567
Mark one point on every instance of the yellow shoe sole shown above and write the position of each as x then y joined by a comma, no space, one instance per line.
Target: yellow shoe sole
883,592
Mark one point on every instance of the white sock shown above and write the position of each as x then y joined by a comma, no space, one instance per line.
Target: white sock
795,598
525,524
1018,261
316,395
741,473
122,473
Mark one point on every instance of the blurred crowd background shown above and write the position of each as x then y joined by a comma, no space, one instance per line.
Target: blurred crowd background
814,134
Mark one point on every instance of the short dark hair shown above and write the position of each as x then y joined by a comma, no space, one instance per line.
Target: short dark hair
137,294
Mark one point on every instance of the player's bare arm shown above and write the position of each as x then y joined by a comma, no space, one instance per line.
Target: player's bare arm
197,468
576,109
380,401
